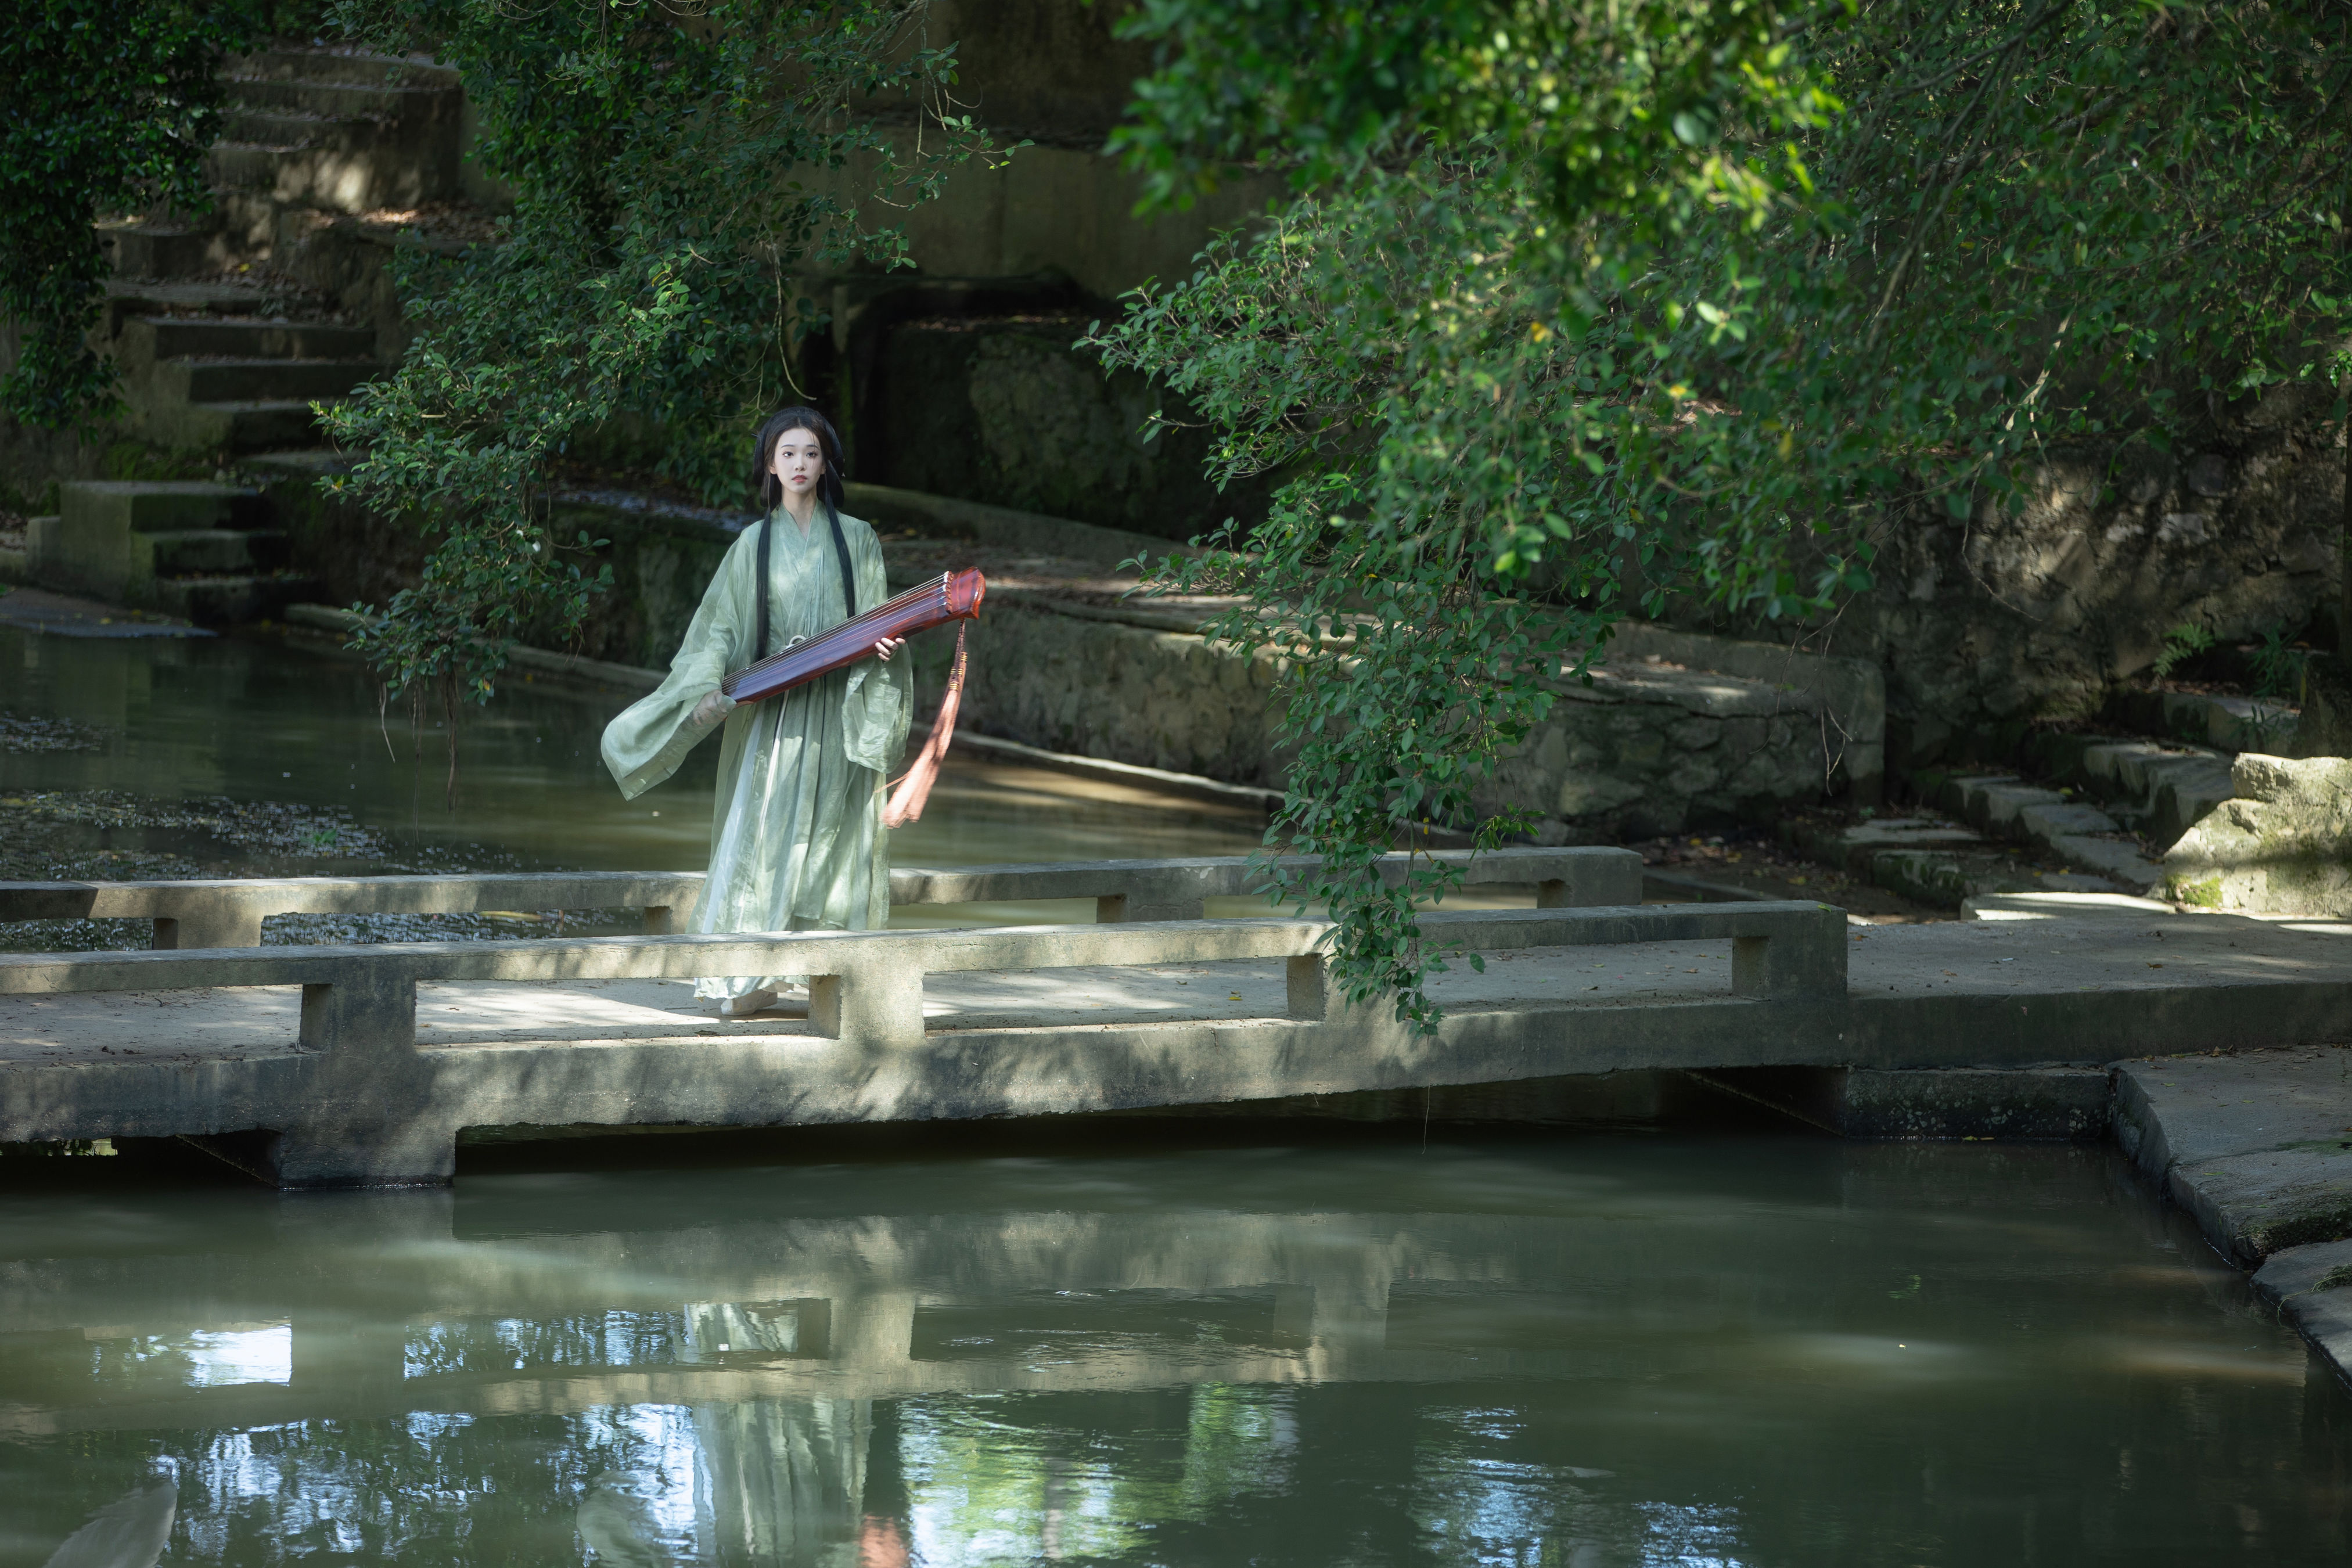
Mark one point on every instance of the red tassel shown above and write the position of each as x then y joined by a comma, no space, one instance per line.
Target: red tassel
914,787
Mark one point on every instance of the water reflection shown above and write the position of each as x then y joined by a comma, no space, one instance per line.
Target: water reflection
1610,1351
129,1532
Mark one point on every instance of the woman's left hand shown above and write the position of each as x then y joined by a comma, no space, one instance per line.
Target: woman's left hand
887,647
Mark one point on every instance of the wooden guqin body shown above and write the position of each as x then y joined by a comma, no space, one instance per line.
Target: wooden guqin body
950,596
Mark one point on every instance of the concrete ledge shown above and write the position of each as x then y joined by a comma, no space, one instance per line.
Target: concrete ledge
1810,937
228,913
1193,786
2312,1288
2257,1145
1006,528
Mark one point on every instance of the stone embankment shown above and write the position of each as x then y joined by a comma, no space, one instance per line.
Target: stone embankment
2258,1146
1675,730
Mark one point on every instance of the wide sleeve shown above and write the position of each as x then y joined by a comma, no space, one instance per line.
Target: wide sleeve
650,739
880,700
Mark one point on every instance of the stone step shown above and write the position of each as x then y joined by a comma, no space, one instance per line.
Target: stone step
240,425
2082,835
229,599
158,337
151,506
248,125
162,249
354,67
190,296
2232,724
182,552
397,167
262,380
246,165
104,539
337,100
127,299
2161,788
1929,859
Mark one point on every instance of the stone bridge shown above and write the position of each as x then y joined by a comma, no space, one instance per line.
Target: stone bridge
363,1065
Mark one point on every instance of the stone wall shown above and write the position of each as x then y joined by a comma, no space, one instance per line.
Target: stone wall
1651,746
1092,684
1987,625
1649,749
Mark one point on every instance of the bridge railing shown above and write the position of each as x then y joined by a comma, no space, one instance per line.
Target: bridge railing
868,985
228,913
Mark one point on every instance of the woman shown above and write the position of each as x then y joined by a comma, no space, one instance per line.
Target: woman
796,837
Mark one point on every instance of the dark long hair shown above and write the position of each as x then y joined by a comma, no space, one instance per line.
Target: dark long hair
763,456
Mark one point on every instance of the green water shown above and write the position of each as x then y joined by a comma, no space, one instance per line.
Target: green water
1599,1351
1573,1352
324,782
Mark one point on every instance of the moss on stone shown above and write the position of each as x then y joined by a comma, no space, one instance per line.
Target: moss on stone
2203,894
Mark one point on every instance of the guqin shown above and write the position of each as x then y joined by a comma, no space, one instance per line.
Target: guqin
950,596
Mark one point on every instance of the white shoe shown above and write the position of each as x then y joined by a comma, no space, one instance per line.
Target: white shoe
746,1005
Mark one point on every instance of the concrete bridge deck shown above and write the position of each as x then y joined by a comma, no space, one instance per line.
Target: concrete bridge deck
363,1064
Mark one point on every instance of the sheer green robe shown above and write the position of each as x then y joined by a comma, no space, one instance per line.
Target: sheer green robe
796,836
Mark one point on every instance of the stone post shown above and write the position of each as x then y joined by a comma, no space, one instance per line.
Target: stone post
1795,958
371,1119
215,918
871,1005
1607,880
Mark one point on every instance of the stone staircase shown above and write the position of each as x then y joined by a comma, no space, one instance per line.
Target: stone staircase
222,349
200,551
227,326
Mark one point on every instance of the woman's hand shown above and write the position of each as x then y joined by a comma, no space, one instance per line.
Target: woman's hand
714,707
887,647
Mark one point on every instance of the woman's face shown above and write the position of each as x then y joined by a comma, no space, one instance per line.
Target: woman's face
799,461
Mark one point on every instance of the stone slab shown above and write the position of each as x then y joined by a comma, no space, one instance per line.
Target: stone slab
1930,859
2257,1145
2164,790
2312,1288
2008,808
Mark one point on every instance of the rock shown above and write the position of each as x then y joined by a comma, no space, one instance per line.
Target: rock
2209,474
2283,846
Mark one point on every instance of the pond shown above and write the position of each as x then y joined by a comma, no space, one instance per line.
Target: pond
1104,1342
229,756
1108,1348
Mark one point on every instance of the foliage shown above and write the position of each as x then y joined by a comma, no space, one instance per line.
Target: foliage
2183,642
1612,301
103,108
2278,664
671,166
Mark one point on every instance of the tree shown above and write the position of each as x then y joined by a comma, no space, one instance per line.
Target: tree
672,164
1581,302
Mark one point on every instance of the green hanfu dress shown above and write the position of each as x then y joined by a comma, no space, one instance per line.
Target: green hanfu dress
796,836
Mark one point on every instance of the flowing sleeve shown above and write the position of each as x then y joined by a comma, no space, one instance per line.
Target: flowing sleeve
880,701
647,742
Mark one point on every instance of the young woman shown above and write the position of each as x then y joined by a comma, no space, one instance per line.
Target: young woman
796,837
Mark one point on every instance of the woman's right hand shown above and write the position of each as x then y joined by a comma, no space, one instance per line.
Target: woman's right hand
713,708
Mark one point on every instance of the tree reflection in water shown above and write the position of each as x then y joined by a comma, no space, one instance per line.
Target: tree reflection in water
1601,1352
